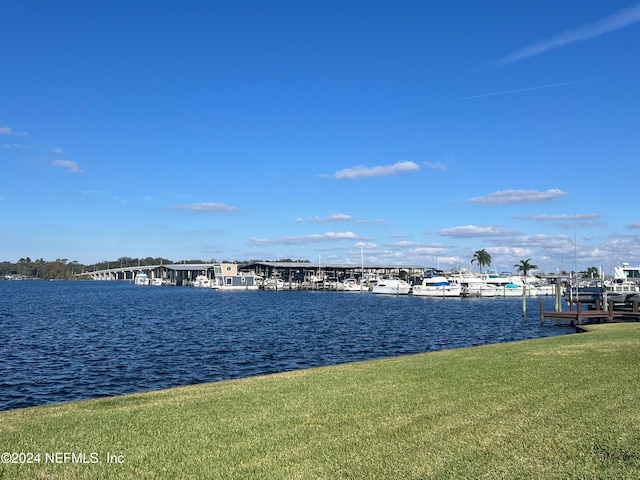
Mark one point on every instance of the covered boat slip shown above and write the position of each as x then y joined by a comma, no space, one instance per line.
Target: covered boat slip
292,274
298,275
168,274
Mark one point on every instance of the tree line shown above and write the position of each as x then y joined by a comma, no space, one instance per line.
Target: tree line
63,269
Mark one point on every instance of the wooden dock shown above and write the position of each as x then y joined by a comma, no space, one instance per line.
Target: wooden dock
578,314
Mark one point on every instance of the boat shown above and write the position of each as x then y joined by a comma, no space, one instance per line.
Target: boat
352,284
437,286
142,278
274,284
473,285
584,292
543,288
157,282
621,291
226,276
625,287
391,286
627,273
508,285
370,280
202,281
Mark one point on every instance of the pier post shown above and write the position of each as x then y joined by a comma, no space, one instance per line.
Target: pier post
541,312
579,313
610,311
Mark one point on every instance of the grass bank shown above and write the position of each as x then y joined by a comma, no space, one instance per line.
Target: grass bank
563,407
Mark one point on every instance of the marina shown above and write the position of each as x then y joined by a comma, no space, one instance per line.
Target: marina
379,279
622,289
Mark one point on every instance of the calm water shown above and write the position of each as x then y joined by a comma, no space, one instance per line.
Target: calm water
62,341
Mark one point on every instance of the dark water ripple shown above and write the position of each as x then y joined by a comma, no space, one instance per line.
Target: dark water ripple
65,341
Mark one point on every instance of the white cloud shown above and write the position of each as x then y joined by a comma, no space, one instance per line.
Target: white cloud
378,221
519,196
380,171
70,165
633,225
563,216
366,245
470,231
433,251
57,150
206,207
304,239
334,217
404,244
10,131
510,252
435,166
619,20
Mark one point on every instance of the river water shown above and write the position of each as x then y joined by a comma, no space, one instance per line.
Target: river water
65,341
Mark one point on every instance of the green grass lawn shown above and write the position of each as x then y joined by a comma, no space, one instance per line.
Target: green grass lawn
562,407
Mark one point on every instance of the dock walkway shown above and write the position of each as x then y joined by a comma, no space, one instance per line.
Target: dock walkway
625,313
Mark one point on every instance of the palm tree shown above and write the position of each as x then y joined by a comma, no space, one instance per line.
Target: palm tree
482,258
524,266
592,272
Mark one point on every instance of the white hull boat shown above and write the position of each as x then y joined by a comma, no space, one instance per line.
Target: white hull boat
473,285
202,281
391,286
352,285
142,279
436,287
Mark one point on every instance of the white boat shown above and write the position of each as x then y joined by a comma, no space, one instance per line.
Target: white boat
274,284
625,286
543,289
142,278
510,286
627,273
621,291
391,286
370,280
473,285
157,282
351,285
437,286
202,281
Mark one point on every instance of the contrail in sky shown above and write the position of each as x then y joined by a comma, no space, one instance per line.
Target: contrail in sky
619,20
505,92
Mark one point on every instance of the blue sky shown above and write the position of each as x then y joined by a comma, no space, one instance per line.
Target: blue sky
414,132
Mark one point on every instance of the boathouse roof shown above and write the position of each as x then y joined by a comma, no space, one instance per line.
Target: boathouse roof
181,267
329,266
